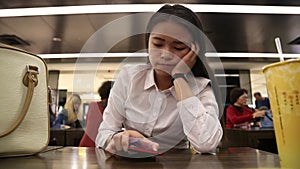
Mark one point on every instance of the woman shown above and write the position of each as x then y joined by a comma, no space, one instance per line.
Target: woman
170,101
94,115
68,116
238,114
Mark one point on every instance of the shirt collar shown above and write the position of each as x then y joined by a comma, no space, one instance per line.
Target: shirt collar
149,82
197,84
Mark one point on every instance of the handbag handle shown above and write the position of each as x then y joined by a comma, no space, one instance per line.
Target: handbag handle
30,80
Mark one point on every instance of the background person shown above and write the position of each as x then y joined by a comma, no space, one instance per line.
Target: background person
94,115
170,101
261,102
67,117
52,116
238,114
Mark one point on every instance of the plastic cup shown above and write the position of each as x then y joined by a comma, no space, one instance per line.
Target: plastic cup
283,85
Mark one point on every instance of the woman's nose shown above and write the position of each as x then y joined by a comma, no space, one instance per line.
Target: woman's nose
166,54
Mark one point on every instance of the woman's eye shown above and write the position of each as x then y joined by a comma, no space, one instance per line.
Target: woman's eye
157,44
180,48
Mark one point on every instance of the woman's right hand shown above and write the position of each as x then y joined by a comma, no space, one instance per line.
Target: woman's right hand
120,141
187,62
258,114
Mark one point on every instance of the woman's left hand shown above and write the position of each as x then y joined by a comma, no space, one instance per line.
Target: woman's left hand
120,141
187,62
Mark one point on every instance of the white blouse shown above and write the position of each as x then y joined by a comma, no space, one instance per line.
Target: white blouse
135,103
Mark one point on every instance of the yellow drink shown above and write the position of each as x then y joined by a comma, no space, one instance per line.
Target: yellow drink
283,84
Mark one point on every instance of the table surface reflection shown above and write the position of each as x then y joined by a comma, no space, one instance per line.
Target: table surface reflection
75,158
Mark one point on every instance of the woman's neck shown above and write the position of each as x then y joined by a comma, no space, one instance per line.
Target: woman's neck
163,82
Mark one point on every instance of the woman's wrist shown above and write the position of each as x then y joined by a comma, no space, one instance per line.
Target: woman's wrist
111,137
179,75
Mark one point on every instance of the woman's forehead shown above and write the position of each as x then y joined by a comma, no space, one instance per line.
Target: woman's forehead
172,30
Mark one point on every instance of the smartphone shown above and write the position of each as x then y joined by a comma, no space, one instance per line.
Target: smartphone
139,147
143,151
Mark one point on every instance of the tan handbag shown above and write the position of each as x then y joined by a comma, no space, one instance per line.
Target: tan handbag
24,117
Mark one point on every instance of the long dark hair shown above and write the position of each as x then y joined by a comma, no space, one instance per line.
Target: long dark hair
190,20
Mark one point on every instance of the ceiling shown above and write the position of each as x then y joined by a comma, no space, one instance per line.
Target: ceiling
119,32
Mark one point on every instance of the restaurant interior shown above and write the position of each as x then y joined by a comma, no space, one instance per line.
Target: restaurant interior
86,42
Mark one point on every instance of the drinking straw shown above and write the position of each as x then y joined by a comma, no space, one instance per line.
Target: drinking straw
279,49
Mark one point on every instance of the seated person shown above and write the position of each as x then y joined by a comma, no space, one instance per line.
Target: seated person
170,101
68,116
94,116
238,114
261,101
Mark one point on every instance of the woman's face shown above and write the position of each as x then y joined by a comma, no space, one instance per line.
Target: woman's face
242,100
168,43
77,104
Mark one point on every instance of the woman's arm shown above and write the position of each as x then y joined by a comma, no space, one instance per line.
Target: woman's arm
234,118
199,115
58,120
198,111
113,115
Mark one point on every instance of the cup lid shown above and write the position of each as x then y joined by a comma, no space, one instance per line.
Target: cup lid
280,63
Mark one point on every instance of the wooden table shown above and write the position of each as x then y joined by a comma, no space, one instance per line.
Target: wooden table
260,138
75,157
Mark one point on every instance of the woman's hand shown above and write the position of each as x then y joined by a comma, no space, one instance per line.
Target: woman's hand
187,62
258,114
120,141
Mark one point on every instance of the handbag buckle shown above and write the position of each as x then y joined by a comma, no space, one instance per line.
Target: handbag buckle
35,68
31,75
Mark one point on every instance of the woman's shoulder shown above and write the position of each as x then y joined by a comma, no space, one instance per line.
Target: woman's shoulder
198,84
203,80
93,104
230,107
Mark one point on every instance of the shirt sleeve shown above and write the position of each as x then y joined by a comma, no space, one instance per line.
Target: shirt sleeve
199,115
58,120
113,115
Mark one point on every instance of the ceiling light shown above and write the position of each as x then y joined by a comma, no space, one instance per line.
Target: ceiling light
209,55
252,55
120,8
91,55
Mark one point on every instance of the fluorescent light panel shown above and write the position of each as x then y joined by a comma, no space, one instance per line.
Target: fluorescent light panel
227,75
119,8
91,55
209,55
252,55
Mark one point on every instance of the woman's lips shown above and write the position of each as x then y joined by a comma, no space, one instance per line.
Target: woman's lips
167,65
